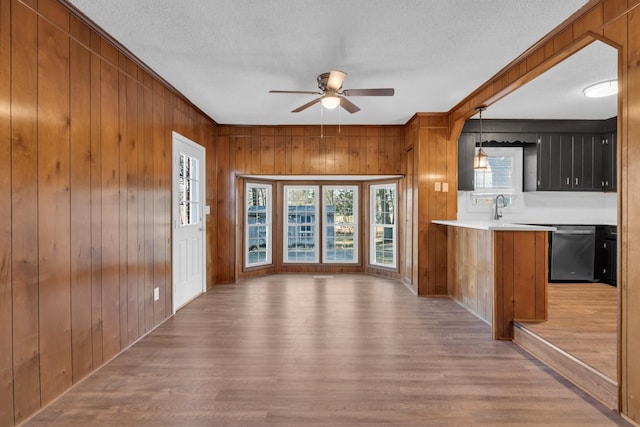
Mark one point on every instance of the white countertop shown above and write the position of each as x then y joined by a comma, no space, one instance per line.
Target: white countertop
494,225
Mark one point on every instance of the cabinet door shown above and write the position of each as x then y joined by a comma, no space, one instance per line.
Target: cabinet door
610,162
466,152
555,162
565,159
587,163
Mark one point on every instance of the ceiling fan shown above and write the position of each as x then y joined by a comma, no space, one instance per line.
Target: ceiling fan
331,95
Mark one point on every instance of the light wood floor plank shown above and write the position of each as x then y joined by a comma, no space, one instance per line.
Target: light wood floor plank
583,321
290,350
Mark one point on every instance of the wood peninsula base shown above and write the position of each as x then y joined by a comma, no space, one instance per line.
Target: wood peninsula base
498,271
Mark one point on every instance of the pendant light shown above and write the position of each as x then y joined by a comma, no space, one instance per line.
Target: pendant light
480,160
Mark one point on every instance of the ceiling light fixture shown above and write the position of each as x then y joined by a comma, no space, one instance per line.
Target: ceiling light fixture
481,159
602,89
330,102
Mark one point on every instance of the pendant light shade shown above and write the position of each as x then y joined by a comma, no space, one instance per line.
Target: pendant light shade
481,159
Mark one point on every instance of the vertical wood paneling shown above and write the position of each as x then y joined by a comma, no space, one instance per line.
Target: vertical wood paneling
133,217
80,184
141,220
54,228
24,208
149,209
631,229
6,303
225,220
110,139
541,265
159,154
165,226
123,161
85,232
96,212
524,275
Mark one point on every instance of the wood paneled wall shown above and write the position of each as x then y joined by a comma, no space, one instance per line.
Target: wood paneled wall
500,276
294,150
470,275
520,278
435,174
616,22
85,167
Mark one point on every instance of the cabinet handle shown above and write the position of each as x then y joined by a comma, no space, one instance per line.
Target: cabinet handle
576,181
568,182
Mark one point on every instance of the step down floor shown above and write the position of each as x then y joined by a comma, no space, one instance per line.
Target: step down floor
570,367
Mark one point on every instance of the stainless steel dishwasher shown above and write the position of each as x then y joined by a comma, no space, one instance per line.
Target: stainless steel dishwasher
572,253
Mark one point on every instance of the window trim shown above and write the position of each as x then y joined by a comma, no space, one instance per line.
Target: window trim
269,219
356,224
285,224
373,224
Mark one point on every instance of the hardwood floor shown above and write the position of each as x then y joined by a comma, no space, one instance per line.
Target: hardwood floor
353,350
583,321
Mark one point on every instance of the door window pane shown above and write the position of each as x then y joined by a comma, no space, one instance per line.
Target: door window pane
188,191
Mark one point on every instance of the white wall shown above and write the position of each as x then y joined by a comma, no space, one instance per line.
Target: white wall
549,207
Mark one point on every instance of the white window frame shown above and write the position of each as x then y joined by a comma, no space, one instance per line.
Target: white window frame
325,223
372,232
285,224
482,200
269,225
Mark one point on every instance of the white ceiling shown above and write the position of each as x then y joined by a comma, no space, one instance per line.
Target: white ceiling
225,55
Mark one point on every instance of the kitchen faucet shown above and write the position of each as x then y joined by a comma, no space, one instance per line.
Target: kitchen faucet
497,215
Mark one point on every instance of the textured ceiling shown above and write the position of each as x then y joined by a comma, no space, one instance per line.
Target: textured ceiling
225,55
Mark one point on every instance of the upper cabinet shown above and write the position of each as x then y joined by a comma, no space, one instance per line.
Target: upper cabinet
570,162
571,155
466,151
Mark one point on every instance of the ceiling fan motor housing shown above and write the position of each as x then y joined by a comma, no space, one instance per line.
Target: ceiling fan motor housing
323,79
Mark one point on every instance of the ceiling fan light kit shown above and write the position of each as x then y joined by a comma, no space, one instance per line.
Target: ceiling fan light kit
331,95
330,102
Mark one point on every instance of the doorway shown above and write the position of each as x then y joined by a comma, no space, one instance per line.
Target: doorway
189,231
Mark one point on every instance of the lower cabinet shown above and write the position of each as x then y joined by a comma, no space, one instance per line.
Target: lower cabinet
606,254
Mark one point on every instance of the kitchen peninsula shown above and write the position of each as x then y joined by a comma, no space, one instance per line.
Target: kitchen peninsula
498,271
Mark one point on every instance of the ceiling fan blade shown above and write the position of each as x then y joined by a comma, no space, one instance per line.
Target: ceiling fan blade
307,105
336,78
369,92
348,105
296,91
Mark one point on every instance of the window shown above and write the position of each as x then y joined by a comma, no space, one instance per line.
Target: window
188,190
383,225
340,214
301,228
258,224
503,176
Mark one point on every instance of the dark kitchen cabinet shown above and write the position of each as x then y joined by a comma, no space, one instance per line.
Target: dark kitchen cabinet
569,162
610,161
606,265
587,163
555,162
466,152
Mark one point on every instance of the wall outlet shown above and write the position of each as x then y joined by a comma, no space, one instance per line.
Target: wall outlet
156,294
